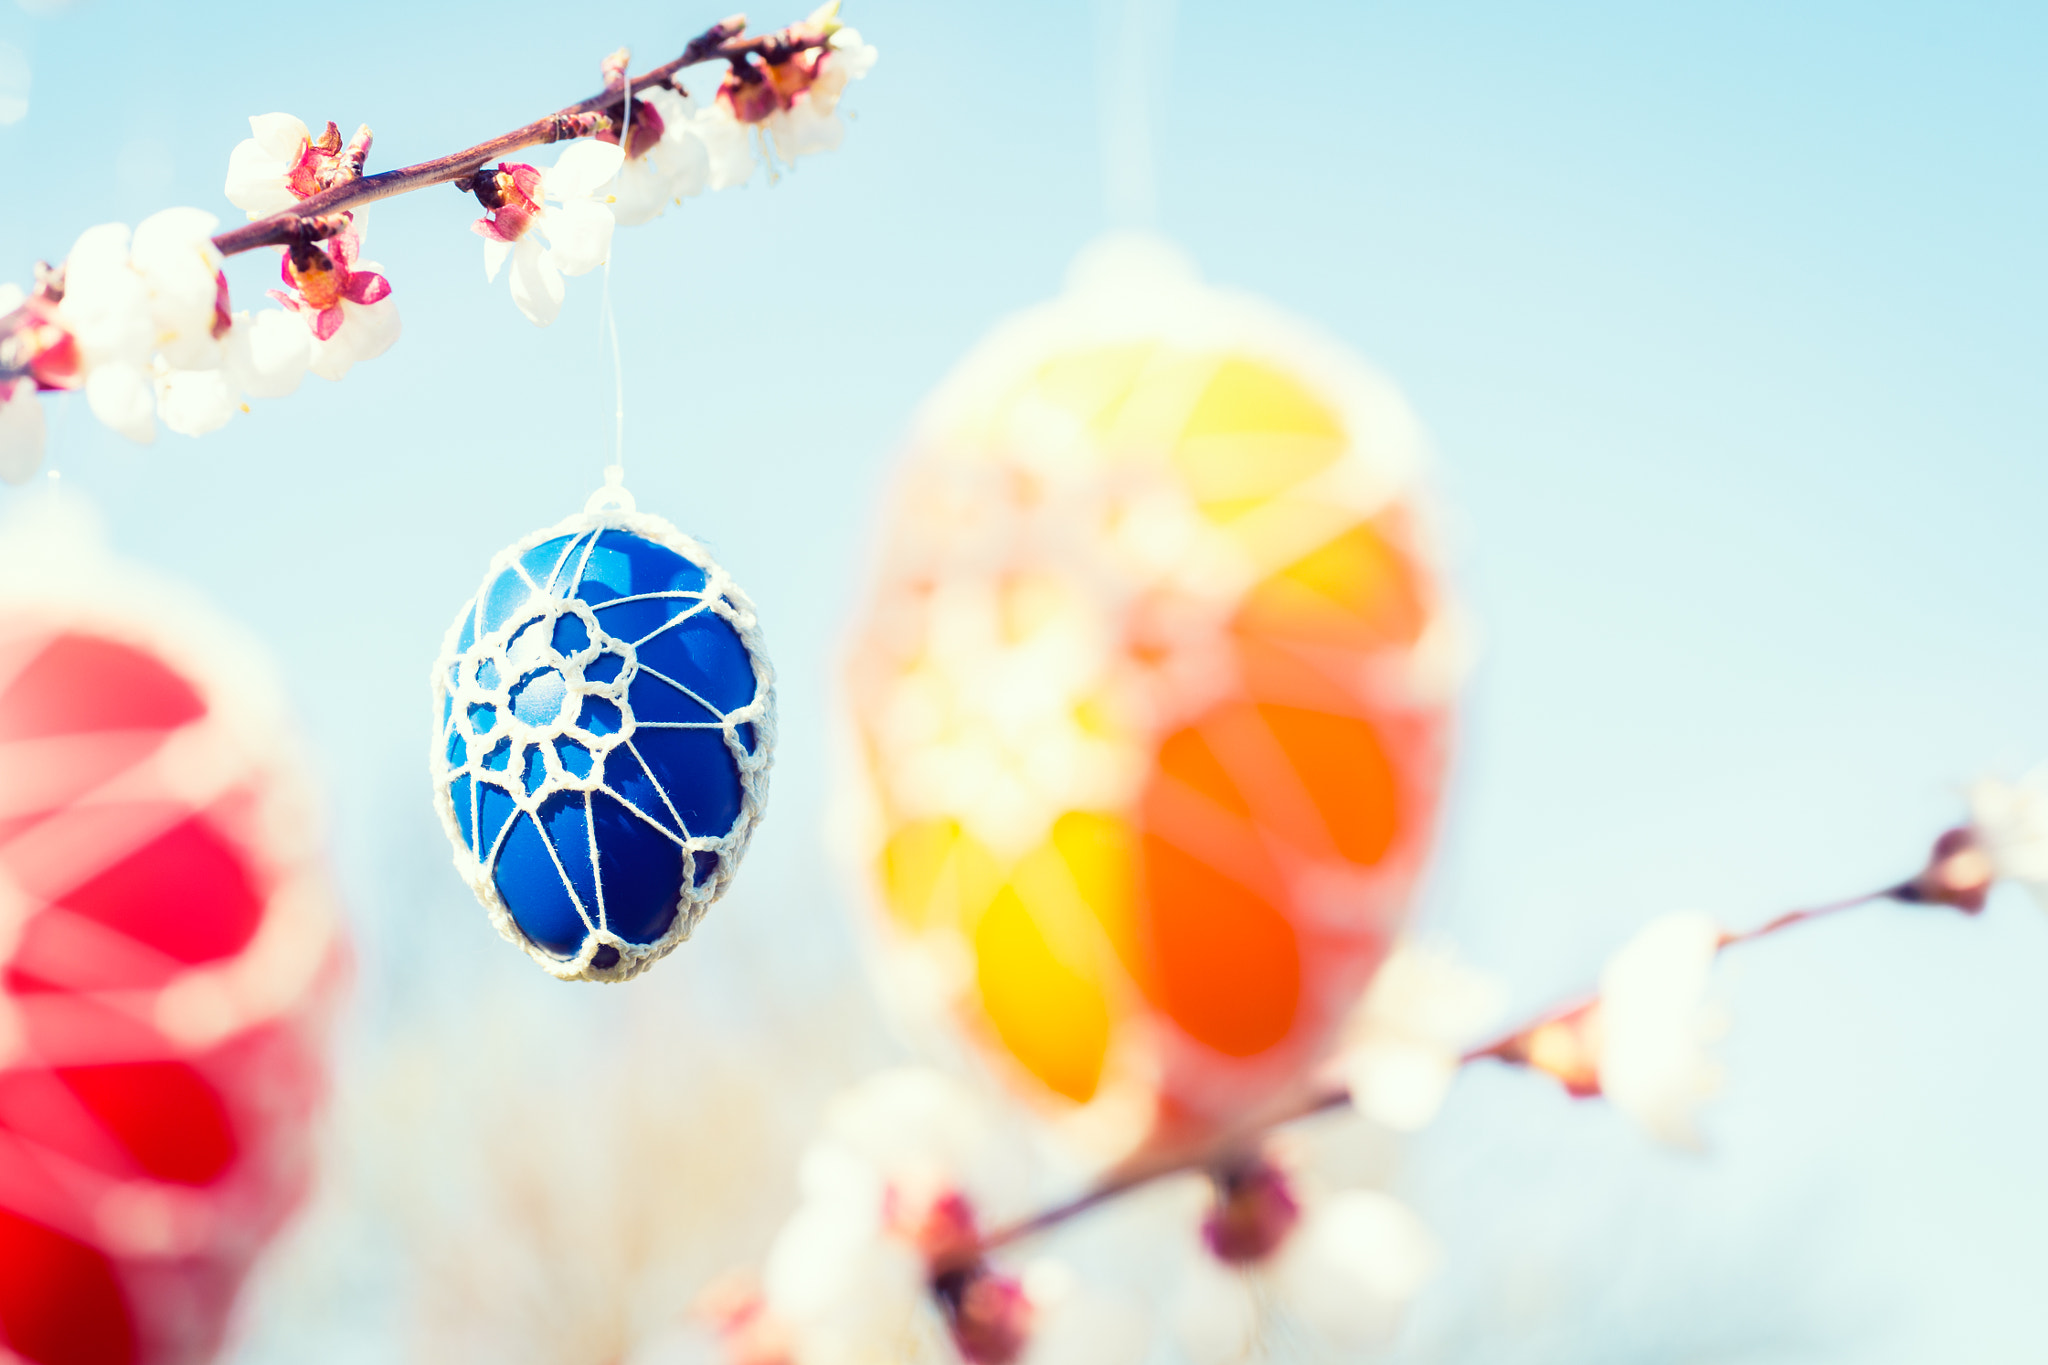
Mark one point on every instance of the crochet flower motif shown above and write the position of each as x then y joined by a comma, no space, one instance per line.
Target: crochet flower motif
605,719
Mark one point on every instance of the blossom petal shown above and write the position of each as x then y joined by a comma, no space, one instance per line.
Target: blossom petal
376,327
106,304
174,254
581,169
119,394
732,154
327,322
1356,1261
496,249
365,286
805,131
1655,1026
258,166
194,402
645,189
21,434
280,136
536,283
691,160
366,332
859,56
579,236
267,354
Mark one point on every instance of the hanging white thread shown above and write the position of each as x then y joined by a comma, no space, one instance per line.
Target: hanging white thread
1134,39
615,472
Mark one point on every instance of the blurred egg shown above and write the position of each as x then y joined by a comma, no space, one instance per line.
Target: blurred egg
168,958
1151,699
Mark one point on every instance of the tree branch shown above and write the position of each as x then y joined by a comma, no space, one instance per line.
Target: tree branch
1147,1169
585,118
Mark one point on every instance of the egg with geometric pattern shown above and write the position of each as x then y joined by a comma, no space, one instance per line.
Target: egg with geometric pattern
604,719
1151,698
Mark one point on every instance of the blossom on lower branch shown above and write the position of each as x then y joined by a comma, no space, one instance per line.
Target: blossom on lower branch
1339,1265
880,1262
2009,826
1406,1041
1643,1042
577,223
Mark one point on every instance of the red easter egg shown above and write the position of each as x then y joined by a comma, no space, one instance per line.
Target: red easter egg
168,959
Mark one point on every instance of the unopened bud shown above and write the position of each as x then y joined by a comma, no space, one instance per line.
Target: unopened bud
1565,1048
1959,873
988,1314
1254,1212
939,1222
750,95
614,68
645,128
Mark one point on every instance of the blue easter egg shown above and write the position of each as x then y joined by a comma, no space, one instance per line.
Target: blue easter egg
605,715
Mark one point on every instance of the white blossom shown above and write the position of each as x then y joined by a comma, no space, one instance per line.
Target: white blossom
261,168
131,297
567,209
812,124
677,167
268,352
845,1275
1406,1040
2010,820
21,415
1359,1256
1655,1023
727,143
1344,1278
265,357
21,429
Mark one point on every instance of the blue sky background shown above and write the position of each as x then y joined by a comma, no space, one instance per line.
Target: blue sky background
1728,325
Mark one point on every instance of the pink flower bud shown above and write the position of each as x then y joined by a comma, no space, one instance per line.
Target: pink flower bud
1254,1212
1566,1048
751,96
512,193
317,166
987,1313
939,1222
40,345
1959,874
646,130
614,68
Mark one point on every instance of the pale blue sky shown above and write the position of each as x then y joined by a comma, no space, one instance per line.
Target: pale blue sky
1728,325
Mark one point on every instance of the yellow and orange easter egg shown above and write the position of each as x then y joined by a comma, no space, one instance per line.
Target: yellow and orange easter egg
1151,700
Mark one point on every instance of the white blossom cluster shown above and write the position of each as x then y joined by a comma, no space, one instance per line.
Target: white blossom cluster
143,328
140,320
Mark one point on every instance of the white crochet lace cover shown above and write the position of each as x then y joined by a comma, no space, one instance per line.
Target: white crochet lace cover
534,696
